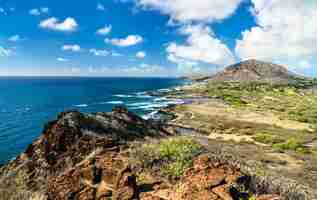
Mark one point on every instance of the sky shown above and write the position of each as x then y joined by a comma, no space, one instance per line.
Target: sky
154,37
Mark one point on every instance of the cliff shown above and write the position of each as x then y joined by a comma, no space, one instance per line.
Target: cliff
118,155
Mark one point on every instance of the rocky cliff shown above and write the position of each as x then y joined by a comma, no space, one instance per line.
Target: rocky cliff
88,156
77,156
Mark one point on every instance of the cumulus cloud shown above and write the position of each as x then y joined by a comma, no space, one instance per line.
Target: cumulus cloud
304,64
104,30
62,59
5,52
140,54
286,30
190,10
39,11
116,54
99,52
15,38
68,25
125,42
135,71
75,70
100,7
71,47
201,46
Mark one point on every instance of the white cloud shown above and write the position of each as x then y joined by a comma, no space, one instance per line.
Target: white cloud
100,7
68,25
39,11
201,46
124,42
286,30
5,52
115,54
44,10
99,52
75,70
62,59
35,12
135,71
140,54
15,38
304,64
104,30
191,10
92,70
71,47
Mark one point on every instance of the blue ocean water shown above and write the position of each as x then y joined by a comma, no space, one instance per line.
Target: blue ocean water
27,103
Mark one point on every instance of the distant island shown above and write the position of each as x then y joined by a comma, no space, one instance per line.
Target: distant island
247,132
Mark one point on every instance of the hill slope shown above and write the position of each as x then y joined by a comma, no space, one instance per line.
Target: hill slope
253,70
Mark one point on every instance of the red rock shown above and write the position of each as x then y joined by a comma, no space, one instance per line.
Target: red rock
222,192
268,197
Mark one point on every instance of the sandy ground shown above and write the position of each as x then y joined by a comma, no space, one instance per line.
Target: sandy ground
211,109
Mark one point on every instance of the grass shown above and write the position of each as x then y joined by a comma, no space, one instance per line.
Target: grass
267,138
290,144
173,156
290,101
314,151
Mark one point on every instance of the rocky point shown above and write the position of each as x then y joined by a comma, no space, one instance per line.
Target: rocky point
85,156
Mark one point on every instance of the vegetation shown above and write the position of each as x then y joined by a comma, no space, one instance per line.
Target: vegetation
267,138
173,156
291,144
292,101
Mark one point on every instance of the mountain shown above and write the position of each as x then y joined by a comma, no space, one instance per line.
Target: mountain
254,70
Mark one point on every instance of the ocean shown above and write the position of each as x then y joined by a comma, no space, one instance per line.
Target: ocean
27,103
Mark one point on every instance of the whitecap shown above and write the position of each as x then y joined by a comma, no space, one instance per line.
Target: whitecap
142,95
81,105
123,95
164,90
151,106
115,102
140,104
149,115
160,99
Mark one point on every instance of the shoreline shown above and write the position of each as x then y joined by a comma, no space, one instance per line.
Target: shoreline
130,145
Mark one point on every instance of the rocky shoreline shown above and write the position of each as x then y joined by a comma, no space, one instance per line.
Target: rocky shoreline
82,156
194,150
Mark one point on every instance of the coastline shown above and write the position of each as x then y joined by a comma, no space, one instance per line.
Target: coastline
233,130
197,144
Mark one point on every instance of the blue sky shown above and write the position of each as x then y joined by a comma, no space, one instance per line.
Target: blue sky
153,37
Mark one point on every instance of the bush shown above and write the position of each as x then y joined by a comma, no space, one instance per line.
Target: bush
173,156
267,139
291,144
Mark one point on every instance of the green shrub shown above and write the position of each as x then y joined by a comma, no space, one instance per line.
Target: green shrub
291,144
178,148
267,139
180,151
173,155
314,151
233,100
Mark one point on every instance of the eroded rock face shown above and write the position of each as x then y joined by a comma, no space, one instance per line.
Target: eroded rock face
78,157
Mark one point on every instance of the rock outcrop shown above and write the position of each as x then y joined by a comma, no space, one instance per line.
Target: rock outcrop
78,156
86,157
